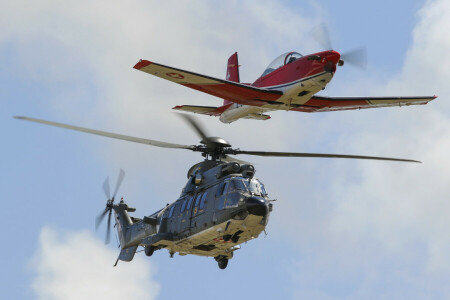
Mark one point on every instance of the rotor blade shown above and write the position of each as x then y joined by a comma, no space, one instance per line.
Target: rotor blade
321,35
109,134
196,126
119,182
106,188
356,57
99,218
296,154
108,228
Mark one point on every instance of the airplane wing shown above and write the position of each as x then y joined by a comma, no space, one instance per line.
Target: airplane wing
228,90
321,103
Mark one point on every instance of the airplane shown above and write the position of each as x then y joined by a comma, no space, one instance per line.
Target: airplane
221,206
289,83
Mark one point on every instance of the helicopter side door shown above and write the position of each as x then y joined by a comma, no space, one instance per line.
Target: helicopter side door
202,211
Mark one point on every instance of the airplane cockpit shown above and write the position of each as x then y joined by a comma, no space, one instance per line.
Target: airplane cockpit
280,61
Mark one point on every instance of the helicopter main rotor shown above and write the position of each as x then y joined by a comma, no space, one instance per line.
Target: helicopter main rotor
214,148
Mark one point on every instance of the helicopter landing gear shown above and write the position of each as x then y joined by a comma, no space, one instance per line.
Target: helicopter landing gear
222,262
149,250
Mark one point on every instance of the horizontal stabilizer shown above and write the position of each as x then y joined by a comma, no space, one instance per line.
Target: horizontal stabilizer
204,110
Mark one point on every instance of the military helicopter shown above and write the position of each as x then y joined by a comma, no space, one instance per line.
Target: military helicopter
221,206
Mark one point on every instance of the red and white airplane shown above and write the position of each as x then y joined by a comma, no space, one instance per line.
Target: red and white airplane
289,83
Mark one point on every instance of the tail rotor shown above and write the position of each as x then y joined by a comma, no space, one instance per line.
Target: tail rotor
109,205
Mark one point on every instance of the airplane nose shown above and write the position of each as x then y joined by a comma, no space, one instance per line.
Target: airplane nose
333,56
256,206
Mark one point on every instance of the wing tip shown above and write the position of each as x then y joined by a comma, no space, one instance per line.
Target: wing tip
142,64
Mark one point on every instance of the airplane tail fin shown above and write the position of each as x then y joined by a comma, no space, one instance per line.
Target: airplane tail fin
232,71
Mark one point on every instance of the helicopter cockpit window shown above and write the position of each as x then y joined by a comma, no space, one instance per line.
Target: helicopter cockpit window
280,61
255,187
239,185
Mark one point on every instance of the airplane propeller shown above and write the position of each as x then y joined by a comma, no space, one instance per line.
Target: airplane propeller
109,204
216,147
356,57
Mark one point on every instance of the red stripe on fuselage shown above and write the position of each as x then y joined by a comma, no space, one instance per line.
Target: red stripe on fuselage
235,93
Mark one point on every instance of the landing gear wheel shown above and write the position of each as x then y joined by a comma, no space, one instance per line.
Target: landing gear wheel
223,263
149,250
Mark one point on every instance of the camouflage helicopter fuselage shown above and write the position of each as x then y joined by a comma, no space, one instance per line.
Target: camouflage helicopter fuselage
221,206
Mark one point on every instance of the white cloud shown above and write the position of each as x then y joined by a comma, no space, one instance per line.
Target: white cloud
381,228
74,265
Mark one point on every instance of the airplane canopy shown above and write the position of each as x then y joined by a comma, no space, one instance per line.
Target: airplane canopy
280,61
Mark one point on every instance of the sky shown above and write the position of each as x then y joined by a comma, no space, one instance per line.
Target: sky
340,229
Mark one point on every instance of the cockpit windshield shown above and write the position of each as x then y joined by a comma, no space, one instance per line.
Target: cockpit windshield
283,59
253,186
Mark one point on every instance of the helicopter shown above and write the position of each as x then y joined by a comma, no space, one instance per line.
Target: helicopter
221,206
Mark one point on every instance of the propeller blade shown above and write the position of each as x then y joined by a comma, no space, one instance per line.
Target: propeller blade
108,228
296,154
119,182
109,134
322,36
356,57
100,218
106,189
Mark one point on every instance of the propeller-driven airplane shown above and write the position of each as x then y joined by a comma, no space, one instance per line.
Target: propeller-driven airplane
289,83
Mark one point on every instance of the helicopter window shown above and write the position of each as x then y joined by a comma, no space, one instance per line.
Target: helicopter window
239,185
202,202
220,189
197,200
263,189
225,189
183,205
171,211
176,211
255,187
189,204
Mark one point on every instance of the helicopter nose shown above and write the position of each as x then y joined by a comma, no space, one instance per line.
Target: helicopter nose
256,206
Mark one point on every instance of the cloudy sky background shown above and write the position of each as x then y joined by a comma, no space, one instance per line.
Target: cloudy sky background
339,230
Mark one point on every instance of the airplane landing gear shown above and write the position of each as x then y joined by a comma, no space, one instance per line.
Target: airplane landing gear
222,262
